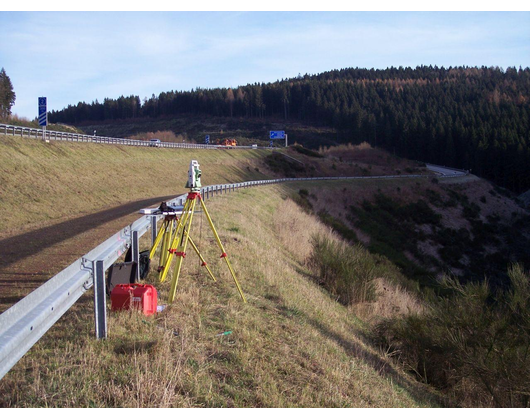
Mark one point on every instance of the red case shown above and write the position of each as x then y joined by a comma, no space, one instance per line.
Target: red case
134,296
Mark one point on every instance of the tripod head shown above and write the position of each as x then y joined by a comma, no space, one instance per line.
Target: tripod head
194,176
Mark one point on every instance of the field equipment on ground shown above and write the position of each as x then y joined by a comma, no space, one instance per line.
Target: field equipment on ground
142,297
121,273
174,234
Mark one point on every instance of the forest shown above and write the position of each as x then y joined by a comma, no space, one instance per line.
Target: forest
474,118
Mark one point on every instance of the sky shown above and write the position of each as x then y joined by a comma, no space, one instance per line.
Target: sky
77,56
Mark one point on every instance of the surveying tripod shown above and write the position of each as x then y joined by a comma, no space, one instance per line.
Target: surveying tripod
174,235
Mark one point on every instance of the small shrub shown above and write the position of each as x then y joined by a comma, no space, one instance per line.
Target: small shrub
308,152
338,226
471,211
470,335
346,271
302,200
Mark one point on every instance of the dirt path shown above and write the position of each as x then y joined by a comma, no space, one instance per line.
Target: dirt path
30,258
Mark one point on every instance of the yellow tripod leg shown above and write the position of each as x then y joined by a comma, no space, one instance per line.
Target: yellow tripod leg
158,239
174,242
223,255
180,251
166,241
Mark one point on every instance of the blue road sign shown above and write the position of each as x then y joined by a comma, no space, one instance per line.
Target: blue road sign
277,135
271,143
207,139
43,115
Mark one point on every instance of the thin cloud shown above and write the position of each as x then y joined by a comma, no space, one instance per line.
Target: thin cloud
72,57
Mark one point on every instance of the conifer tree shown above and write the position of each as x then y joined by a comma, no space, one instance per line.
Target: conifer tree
7,95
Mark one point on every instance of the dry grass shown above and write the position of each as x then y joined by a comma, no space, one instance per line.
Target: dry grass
392,301
342,148
291,344
43,182
295,229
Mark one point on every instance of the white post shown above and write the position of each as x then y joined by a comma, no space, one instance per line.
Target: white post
286,140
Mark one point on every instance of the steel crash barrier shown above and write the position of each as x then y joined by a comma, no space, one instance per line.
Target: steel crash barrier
48,135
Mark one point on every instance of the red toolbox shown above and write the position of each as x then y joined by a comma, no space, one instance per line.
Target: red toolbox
142,297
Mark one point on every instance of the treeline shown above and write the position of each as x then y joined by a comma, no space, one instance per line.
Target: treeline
465,117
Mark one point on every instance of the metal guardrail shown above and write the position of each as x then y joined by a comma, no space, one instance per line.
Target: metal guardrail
37,133
22,325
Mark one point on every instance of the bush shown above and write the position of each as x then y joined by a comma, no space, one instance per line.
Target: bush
338,226
302,199
301,149
346,271
471,336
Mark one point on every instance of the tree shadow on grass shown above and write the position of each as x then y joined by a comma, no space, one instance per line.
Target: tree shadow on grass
417,391
30,243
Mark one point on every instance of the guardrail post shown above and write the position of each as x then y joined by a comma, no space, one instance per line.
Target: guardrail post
153,230
100,300
135,251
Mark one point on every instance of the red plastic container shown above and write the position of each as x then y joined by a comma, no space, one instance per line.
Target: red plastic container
142,297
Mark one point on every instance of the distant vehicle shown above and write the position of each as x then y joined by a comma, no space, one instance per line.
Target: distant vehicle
154,143
254,146
229,142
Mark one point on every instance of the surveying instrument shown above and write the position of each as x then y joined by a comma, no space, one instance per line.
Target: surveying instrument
174,234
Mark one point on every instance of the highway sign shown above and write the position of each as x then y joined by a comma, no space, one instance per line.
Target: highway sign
277,135
207,139
43,115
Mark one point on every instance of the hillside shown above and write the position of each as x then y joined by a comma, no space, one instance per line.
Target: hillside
291,345
306,337
466,227
61,199
465,117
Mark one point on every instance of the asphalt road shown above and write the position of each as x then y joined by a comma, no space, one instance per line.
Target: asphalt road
445,171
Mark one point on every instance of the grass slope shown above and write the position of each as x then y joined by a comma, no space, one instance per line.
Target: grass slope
41,181
291,345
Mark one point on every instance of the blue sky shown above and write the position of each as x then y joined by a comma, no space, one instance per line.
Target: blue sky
83,56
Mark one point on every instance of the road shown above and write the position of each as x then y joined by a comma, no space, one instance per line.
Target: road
441,170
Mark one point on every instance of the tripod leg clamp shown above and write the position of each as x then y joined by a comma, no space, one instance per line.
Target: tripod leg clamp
178,253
